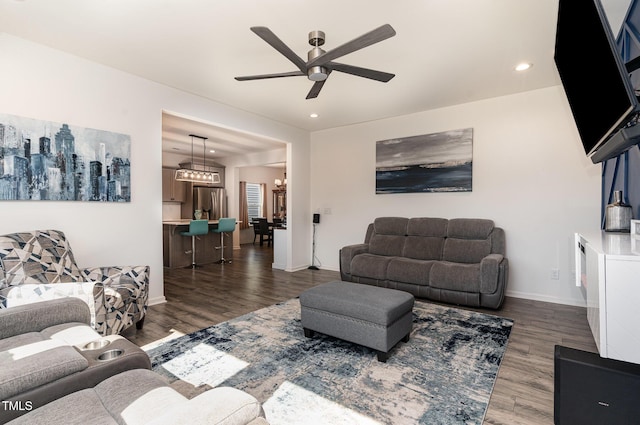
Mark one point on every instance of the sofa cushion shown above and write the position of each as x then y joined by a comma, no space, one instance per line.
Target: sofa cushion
423,248
408,270
146,394
427,226
217,406
36,364
19,340
468,240
388,236
371,266
455,277
390,226
465,251
140,396
387,245
37,257
38,316
84,406
469,228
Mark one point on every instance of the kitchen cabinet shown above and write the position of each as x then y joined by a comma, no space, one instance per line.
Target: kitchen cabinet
177,248
172,190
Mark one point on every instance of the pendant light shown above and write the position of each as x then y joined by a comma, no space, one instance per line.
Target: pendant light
197,176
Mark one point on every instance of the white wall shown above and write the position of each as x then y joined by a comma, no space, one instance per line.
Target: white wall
46,84
265,175
530,175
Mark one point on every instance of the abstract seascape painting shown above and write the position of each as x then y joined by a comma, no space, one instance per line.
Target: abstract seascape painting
44,160
437,162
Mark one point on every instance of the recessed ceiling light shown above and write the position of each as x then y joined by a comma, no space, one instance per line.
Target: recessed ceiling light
314,115
212,151
523,66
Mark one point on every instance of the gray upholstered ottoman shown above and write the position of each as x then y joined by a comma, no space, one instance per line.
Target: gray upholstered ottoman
375,317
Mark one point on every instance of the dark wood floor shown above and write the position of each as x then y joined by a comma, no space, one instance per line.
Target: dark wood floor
523,393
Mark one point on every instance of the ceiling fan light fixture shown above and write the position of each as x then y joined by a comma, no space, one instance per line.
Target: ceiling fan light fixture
317,73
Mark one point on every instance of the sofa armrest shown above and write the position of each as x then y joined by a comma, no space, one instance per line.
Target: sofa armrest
115,279
36,364
118,275
346,255
37,316
221,405
124,296
490,273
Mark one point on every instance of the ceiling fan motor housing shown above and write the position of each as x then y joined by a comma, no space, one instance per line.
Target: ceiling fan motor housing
316,73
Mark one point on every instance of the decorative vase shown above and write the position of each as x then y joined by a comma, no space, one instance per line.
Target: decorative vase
618,215
198,214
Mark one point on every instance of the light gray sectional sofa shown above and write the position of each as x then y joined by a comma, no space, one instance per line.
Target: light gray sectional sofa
55,369
48,350
142,397
458,261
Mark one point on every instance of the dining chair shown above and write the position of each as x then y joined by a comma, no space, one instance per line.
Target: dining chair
265,230
224,225
196,228
255,223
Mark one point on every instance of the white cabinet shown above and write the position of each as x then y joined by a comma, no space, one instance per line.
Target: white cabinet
608,268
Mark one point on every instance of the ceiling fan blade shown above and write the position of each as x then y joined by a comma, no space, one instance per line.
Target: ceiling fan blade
317,86
315,89
372,37
265,76
360,72
267,35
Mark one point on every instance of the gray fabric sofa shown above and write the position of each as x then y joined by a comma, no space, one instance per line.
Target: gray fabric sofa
142,397
48,350
458,261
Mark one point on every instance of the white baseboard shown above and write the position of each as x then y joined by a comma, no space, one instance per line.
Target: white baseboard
157,300
544,298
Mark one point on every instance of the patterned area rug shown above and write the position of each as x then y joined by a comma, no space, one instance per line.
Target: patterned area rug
443,375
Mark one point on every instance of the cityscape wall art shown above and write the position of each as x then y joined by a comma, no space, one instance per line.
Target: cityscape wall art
44,160
437,162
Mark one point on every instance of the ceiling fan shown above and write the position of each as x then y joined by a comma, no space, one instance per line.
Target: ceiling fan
319,62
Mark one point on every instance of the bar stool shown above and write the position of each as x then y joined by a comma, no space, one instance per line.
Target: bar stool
196,228
224,225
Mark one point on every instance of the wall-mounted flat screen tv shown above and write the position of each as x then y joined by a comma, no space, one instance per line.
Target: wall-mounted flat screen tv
595,80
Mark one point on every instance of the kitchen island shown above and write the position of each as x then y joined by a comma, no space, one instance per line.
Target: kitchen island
177,248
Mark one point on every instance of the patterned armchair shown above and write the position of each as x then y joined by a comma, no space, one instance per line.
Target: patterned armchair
39,265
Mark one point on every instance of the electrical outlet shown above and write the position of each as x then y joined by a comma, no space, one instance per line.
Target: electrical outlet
555,274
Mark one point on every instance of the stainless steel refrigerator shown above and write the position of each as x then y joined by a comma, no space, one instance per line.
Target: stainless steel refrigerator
211,200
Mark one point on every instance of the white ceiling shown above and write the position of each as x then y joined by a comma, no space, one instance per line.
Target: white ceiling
446,52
